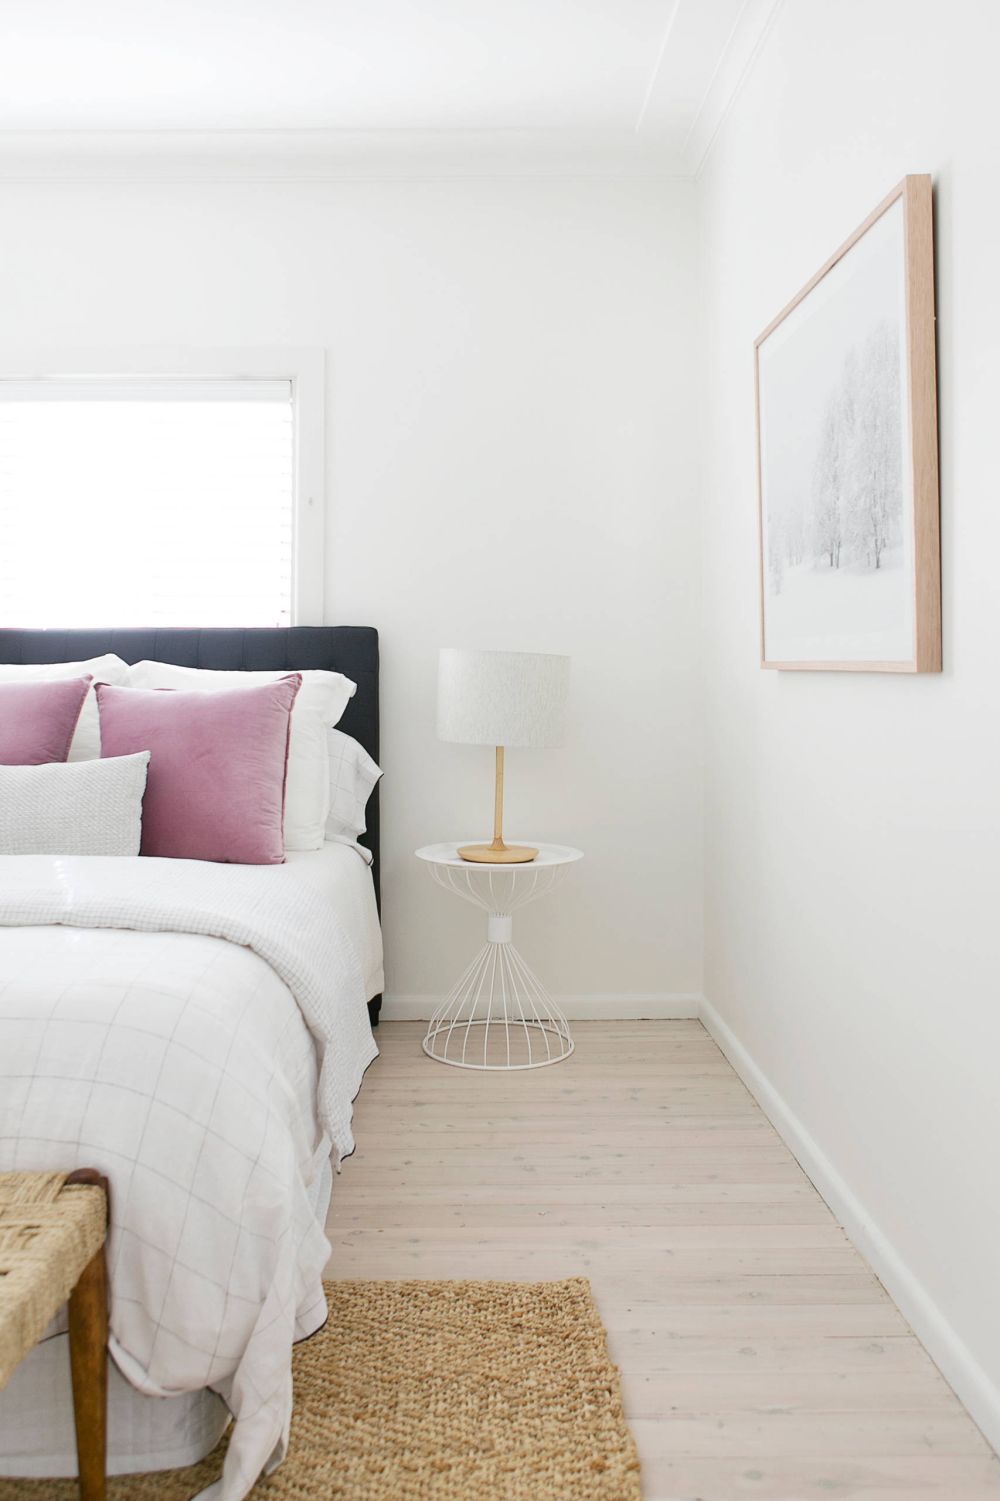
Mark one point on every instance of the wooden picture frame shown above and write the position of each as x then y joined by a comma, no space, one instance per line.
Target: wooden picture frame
845,392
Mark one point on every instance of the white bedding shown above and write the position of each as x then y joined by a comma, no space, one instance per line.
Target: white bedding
155,1021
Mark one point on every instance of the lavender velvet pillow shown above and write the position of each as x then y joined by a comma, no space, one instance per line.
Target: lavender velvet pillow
216,783
37,720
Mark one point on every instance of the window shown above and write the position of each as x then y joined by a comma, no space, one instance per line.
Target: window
144,500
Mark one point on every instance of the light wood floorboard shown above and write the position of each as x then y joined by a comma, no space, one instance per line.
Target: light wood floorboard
760,1356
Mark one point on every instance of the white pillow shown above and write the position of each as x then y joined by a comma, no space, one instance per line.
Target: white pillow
86,743
320,702
353,775
91,808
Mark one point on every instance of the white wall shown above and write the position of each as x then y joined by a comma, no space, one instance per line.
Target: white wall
852,940
510,464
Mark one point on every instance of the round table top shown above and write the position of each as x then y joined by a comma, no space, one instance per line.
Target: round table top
548,854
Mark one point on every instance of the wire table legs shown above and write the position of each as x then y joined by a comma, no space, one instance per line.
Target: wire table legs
498,1015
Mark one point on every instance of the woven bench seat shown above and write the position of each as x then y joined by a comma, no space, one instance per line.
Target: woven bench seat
52,1233
49,1231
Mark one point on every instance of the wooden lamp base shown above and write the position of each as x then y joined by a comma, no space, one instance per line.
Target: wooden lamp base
497,853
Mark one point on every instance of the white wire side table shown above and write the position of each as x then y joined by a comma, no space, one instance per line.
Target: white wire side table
498,1015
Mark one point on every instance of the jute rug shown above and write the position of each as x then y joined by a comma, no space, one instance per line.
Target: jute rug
436,1391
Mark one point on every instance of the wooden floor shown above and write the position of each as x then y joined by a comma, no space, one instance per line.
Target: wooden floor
760,1357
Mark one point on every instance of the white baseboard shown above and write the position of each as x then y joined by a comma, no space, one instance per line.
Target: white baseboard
660,1006
958,1365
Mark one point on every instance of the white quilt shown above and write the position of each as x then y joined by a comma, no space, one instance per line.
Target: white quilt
172,1053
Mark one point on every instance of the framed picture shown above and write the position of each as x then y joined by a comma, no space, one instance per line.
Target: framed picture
847,470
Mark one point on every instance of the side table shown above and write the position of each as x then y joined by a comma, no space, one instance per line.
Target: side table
498,1015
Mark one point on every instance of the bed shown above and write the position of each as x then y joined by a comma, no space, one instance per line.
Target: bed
198,1032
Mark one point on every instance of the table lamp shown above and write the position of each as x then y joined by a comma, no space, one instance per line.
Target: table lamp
501,698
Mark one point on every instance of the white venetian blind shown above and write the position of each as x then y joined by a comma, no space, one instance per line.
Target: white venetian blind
134,501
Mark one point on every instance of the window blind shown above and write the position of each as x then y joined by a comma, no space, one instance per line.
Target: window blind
132,501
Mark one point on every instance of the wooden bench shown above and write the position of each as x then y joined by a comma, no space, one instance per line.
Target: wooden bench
53,1228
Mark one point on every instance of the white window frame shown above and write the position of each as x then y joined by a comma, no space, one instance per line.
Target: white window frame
304,367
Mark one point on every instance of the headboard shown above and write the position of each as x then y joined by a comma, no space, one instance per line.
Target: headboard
350,649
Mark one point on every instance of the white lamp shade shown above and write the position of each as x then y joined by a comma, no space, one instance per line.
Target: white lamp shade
502,697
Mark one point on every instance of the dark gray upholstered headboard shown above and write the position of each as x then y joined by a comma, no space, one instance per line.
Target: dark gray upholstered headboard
350,649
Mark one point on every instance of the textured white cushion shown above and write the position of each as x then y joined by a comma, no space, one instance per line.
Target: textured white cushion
321,701
86,745
67,808
353,775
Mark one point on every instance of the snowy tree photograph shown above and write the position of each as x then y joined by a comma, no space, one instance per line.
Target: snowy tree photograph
835,467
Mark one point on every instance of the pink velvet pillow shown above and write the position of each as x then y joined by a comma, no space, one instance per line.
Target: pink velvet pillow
216,783
37,719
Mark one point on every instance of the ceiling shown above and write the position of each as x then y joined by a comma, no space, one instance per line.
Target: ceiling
658,73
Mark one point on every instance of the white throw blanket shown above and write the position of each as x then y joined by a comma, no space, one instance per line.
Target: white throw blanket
175,1063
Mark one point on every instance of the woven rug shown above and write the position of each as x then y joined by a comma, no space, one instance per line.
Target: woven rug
436,1391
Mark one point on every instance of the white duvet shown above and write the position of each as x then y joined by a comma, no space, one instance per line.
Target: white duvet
204,1054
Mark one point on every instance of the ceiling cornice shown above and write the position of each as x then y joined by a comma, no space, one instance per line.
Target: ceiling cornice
746,39
328,156
404,155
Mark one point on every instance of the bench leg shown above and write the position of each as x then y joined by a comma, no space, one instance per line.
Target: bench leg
88,1353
